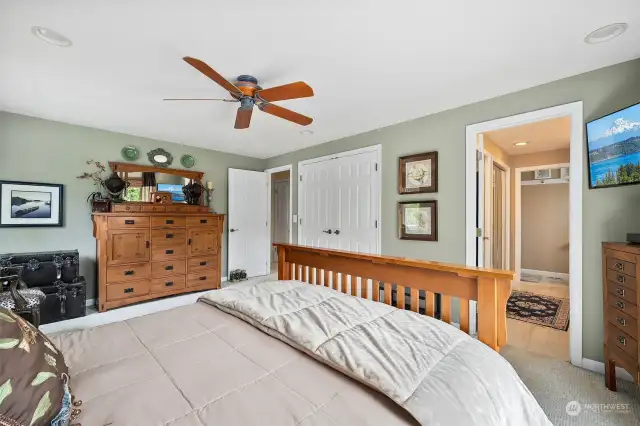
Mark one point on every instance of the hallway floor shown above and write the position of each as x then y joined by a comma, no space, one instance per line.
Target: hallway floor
538,339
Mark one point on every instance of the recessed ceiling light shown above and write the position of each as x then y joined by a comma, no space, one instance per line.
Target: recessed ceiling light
51,36
605,33
306,132
523,143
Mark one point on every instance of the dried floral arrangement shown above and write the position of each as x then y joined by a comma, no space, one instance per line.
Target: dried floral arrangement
96,177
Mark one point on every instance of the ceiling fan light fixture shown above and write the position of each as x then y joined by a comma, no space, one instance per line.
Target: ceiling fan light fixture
523,143
50,36
306,132
606,33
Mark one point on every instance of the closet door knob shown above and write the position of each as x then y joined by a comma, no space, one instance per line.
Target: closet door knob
233,230
337,232
327,231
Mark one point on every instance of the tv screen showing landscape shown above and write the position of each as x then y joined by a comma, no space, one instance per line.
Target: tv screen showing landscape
177,196
613,143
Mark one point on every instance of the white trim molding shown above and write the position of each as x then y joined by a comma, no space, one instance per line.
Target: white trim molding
575,111
373,148
559,275
271,171
598,367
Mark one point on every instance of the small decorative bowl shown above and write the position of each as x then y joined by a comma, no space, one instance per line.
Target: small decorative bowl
130,153
187,161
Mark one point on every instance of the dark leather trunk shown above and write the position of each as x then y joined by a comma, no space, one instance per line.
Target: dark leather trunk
56,273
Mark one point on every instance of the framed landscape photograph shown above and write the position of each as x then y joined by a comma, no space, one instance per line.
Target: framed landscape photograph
418,220
613,145
30,204
418,173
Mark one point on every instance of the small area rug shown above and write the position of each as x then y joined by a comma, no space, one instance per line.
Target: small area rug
546,311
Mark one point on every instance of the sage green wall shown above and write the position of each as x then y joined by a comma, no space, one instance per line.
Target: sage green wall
38,150
608,214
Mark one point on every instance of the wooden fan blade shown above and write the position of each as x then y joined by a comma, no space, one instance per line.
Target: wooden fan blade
200,99
243,118
288,91
287,114
209,72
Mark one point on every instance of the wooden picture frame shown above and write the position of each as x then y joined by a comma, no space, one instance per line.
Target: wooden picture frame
418,173
418,220
30,204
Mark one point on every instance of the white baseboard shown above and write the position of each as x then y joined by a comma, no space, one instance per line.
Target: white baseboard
90,302
560,275
598,367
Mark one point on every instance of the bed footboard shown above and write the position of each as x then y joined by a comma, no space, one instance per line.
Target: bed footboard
376,277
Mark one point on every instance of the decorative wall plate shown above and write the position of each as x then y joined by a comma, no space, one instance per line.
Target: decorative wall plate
187,161
130,153
159,157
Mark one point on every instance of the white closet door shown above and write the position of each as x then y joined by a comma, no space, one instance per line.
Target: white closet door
316,205
249,231
357,203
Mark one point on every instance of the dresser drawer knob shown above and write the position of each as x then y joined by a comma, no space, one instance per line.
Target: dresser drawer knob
129,272
169,283
619,266
622,340
203,220
128,290
169,221
169,235
168,268
621,321
621,279
203,263
202,278
620,305
129,221
168,251
620,291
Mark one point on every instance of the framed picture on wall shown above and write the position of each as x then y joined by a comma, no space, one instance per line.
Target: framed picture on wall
26,204
418,220
418,173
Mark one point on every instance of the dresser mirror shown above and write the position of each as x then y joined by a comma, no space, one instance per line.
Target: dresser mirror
144,181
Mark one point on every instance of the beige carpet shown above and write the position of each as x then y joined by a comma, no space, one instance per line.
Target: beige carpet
555,383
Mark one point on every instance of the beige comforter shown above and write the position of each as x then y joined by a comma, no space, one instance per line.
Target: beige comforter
437,373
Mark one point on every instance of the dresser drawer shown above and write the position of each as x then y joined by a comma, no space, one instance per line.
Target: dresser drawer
126,208
196,264
622,279
181,208
168,252
623,322
201,221
622,292
622,359
126,273
623,341
169,267
127,290
154,209
169,237
128,222
622,305
169,283
209,278
168,222
620,265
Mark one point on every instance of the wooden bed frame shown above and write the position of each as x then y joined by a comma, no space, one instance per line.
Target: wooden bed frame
338,269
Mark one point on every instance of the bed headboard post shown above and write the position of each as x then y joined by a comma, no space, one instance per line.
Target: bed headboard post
492,298
284,266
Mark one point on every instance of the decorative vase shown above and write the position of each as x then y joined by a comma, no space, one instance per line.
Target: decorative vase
114,185
192,193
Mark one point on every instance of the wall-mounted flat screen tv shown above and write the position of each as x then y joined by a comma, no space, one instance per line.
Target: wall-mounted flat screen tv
177,196
613,144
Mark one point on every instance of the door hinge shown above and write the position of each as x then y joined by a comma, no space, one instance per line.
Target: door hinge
479,232
376,224
478,155
300,178
376,167
300,220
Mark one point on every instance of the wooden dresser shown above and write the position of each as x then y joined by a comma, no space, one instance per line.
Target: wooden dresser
620,274
146,251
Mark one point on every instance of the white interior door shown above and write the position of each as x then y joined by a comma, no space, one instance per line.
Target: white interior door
249,230
281,220
487,195
339,203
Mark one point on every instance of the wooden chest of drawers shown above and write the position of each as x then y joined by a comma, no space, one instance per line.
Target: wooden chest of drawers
620,273
146,255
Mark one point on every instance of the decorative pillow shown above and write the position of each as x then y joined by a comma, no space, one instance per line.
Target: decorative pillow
34,378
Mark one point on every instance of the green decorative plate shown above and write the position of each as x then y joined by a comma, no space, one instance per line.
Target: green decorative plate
130,153
187,161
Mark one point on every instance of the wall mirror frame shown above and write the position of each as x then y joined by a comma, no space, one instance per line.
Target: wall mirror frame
143,180
160,157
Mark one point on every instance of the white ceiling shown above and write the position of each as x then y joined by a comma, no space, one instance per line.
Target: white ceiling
540,136
371,63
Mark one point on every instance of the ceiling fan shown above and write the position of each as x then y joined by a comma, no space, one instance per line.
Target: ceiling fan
247,91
